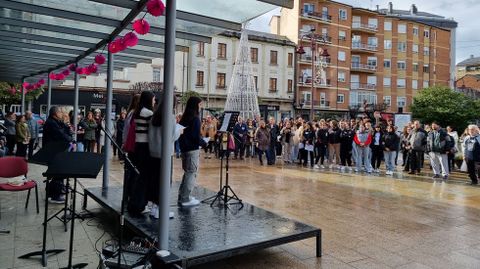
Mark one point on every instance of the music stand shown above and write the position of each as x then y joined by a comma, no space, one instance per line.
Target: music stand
228,122
43,157
74,165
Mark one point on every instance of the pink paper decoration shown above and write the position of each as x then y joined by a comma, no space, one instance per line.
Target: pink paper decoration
29,87
92,68
141,26
72,67
100,59
130,39
41,82
25,85
113,47
66,72
155,7
121,44
60,76
37,85
80,71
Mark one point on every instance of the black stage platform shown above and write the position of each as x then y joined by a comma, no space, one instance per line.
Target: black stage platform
203,234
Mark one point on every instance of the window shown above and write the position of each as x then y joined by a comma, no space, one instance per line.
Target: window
372,61
341,76
387,100
402,46
273,85
426,84
201,49
415,30
387,82
308,8
401,101
387,63
342,35
402,28
435,35
372,80
340,98
415,48
256,82
387,26
290,59
401,83
434,52
387,44
157,75
372,42
341,56
342,13
221,80
415,67
199,78
414,84
401,65
426,68
426,33
290,85
254,55
373,23
222,51
273,57
426,51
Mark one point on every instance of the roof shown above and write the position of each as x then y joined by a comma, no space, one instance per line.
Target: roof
470,61
261,37
421,17
38,36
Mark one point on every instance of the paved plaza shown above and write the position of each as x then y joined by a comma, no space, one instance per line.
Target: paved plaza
368,221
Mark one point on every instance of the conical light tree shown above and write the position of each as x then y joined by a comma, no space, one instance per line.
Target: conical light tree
242,92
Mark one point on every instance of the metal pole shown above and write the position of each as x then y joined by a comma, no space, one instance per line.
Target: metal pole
108,122
49,94
23,98
167,128
314,51
75,104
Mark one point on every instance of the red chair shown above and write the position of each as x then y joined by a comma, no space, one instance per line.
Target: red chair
14,167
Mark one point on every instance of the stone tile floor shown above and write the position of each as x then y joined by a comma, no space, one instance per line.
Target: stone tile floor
368,221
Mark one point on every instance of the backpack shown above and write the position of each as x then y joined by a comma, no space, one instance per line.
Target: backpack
129,145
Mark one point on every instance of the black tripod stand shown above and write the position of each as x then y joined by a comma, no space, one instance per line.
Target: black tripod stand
223,195
128,169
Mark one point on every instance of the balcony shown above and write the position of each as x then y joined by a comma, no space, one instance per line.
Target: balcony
364,68
362,86
357,46
307,59
362,27
316,103
317,16
319,38
307,82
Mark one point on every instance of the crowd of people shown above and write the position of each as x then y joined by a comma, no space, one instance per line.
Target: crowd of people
351,145
21,135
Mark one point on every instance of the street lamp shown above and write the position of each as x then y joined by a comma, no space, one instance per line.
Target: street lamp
323,58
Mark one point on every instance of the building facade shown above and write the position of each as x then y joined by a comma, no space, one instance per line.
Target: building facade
470,66
272,56
380,57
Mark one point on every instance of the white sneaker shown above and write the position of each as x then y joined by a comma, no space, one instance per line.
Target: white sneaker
350,169
342,169
317,167
171,215
192,202
389,173
356,170
377,170
330,166
322,166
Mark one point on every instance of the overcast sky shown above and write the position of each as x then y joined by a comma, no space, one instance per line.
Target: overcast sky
465,12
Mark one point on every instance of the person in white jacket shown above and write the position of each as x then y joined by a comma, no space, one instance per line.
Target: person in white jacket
155,145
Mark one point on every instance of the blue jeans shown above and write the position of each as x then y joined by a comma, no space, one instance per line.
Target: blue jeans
363,157
177,148
390,159
190,162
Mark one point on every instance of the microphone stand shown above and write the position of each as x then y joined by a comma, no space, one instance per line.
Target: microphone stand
129,166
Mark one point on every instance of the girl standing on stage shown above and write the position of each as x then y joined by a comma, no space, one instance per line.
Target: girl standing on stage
190,143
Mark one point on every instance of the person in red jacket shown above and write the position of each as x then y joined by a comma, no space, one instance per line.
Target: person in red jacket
362,140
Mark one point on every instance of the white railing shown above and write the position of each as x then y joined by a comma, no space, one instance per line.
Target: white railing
363,26
364,67
362,46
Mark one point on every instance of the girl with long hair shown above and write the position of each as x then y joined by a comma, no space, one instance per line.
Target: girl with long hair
141,155
190,142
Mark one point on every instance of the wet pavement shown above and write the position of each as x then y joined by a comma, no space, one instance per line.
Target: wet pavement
368,221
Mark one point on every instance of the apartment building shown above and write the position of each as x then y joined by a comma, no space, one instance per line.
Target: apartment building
470,66
377,57
272,57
